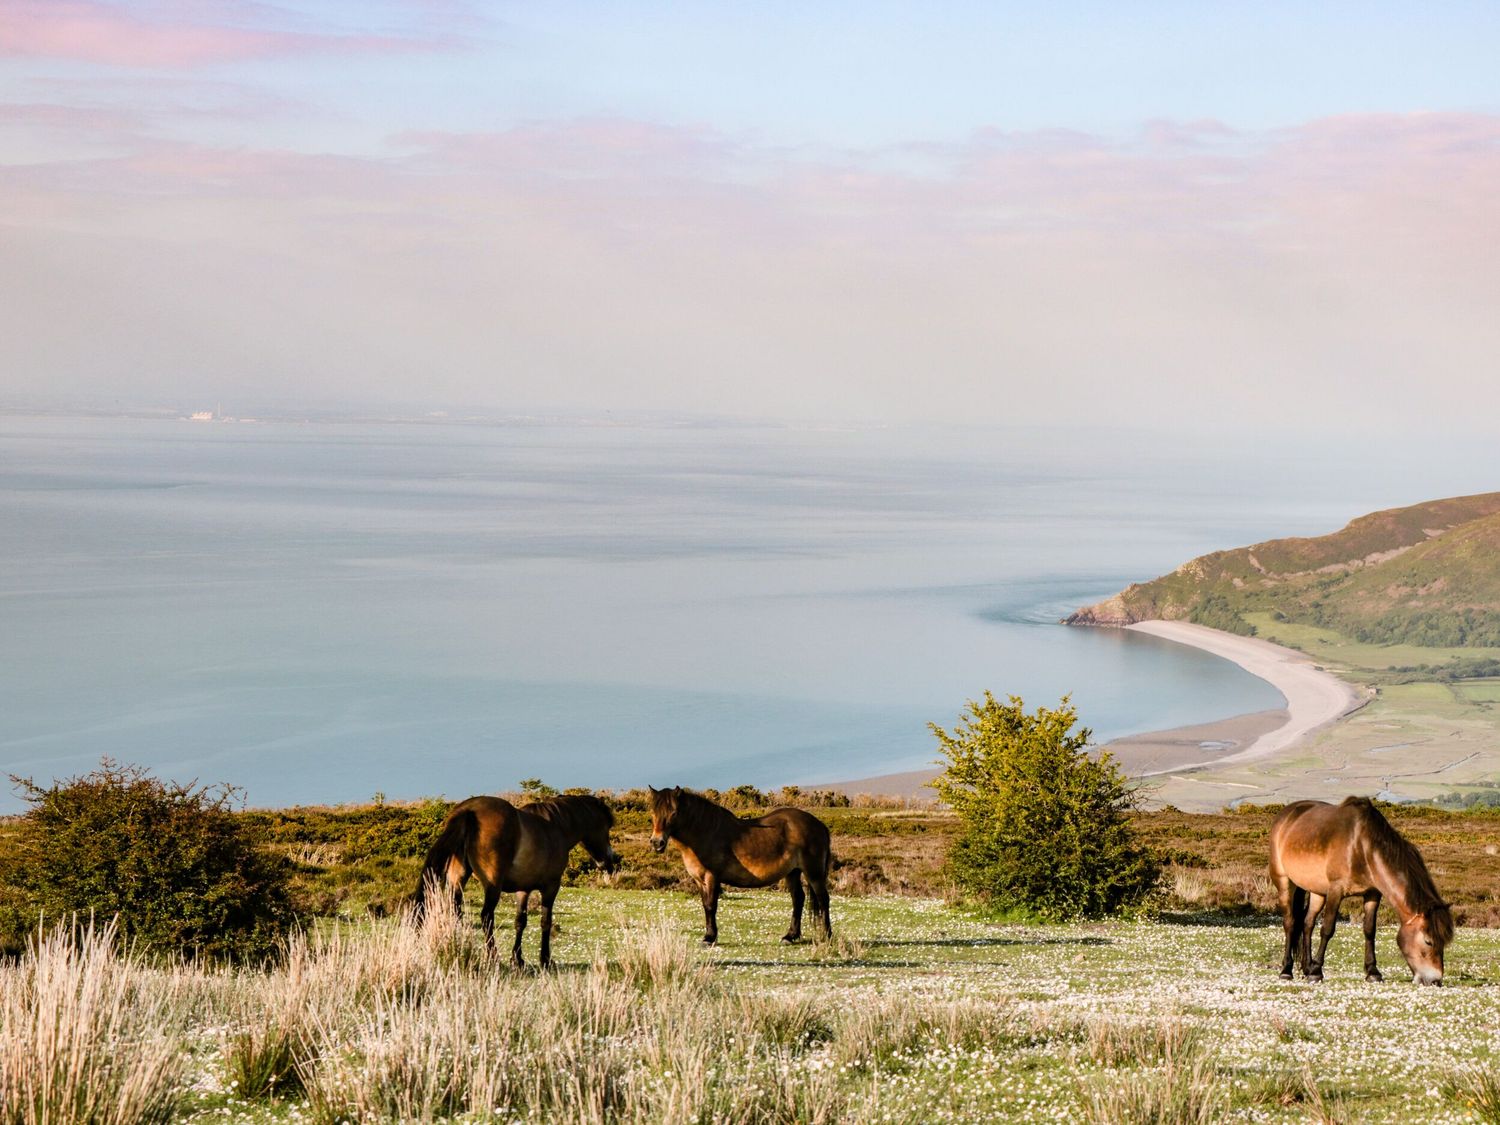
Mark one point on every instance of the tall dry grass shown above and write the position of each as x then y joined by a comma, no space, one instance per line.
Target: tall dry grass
88,1035
1185,1090
408,1022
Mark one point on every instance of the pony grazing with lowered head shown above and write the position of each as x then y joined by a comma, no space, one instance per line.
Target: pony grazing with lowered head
720,849
1322,853
516,849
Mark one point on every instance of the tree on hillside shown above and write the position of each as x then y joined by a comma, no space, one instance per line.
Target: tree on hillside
1045,826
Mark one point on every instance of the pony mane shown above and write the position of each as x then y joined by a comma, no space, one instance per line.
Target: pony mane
1407,864
580,813
694,808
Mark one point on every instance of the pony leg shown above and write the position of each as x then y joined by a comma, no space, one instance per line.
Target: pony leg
817,888
794,886
1372,911
515,951
549,895
1310,969
1292,902
710,889
1330,923
458,875
487,917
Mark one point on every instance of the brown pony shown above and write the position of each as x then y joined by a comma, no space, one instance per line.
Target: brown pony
1320,853
719,849
516,849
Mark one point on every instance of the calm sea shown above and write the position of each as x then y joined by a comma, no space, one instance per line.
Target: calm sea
321,612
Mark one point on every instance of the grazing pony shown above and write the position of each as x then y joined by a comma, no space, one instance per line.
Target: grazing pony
1321,853
720,849
516,849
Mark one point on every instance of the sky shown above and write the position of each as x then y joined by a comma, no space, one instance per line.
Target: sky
1255,217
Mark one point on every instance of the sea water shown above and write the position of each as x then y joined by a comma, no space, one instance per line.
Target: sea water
321,612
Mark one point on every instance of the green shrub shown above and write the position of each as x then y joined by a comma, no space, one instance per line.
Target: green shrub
171,861
395,831
1215,612
1044,826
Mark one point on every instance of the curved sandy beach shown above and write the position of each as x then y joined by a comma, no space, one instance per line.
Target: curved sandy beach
1314,698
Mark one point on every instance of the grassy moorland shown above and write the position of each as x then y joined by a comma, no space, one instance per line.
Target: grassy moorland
916,1012
355,861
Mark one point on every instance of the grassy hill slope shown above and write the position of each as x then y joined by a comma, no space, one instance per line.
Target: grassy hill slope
1426,575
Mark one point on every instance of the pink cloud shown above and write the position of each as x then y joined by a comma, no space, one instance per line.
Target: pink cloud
1184,181
1183,260
97,32
171,95
593,148
68,118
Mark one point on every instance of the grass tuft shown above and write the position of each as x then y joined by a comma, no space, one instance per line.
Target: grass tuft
265,1062
1477,1089
1114,1043
1186,1090
88,1036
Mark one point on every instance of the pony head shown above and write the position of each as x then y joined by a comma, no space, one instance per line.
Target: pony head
1422,938
586,819
595,839
664,803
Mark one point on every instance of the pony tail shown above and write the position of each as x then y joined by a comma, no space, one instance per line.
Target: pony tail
452,841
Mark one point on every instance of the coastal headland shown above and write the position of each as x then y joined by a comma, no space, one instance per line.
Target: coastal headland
1383,637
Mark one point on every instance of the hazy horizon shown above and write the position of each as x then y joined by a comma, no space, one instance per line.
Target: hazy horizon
987,215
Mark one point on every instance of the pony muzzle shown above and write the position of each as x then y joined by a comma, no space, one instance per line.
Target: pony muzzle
658,844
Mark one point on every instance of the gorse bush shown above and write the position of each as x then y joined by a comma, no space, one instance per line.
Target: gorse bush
171,862
1045,827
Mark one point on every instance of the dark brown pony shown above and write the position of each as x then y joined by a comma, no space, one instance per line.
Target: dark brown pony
1321,853
516,849
720,849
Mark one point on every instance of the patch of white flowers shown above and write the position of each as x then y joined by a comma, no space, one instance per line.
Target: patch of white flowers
923,1013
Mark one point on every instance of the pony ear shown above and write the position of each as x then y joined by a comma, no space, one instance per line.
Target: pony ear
677,791
651,789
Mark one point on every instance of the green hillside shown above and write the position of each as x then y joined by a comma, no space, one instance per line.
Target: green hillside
1427,575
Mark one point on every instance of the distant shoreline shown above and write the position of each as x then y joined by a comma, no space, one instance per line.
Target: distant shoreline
1315,699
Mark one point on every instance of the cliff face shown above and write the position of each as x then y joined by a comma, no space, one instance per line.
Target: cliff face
1427,574
1111,611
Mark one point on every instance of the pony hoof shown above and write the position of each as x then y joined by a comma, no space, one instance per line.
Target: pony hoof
1374,977
1286,976
791,939
1314,978
710,939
